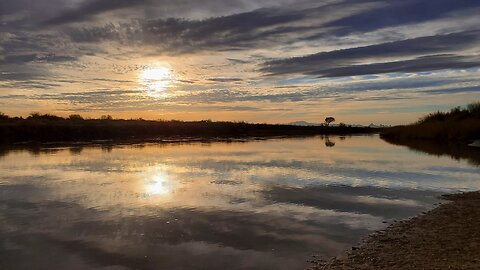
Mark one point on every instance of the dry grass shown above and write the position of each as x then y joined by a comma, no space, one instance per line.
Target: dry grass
461,124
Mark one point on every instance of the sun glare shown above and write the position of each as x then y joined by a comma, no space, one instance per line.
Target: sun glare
156,79
159,185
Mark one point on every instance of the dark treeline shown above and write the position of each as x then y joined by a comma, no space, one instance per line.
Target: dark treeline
51,128
460,124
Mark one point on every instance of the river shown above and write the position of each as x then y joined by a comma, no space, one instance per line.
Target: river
257,204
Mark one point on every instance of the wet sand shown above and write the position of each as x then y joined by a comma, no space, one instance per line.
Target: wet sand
447,237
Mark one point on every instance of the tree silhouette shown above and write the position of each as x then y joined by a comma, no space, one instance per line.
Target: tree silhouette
329,143
75,117
329,120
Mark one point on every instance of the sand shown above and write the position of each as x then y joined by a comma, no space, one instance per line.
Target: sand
447,237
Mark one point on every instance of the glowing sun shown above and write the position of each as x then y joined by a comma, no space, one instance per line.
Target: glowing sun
156,79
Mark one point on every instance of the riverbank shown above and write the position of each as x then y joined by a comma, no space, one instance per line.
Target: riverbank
446,237
47,128
458,125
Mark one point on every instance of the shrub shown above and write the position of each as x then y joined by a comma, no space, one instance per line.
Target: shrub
4,116
75,117
106,117
458,124
47,116
474,109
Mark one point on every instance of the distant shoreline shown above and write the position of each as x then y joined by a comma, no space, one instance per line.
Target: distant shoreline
446,237
176,139
41,130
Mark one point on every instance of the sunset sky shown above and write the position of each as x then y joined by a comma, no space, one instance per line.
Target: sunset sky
274,61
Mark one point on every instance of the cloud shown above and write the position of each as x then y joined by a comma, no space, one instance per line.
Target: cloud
453,90
263,27
237,61
200,9
350,62
426,63
90,8
47,58
258,28
95,97
225,80
298,45
231,32
395,13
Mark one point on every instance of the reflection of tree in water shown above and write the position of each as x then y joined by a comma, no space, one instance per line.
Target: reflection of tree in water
328,142
77,150
107,148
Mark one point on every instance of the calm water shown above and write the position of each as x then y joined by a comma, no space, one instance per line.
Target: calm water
252,205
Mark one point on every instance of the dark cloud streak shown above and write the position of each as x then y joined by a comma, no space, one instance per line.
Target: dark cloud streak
92,8
236,31
47,58
426,63
395,13
346,62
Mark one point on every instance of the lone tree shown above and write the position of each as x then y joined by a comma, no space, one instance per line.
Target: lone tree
329,120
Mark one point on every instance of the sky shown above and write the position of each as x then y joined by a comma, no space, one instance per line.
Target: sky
273,61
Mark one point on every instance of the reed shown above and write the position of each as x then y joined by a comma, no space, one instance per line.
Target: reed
459,124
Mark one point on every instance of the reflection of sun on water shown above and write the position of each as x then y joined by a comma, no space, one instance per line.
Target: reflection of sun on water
159,185
156,79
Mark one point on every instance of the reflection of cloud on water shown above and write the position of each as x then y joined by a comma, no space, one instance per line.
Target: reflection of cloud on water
267,204
373,201
275,237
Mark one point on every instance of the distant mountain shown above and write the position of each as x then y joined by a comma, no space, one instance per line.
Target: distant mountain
303,123
372,125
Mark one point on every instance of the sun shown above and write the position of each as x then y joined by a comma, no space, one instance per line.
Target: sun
156,79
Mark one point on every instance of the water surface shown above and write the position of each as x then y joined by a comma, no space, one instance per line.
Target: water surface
245,205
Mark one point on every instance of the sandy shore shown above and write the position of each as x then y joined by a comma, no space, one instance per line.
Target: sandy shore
448,237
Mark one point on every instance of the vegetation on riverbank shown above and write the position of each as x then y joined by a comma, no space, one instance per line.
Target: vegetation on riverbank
460,124
50,128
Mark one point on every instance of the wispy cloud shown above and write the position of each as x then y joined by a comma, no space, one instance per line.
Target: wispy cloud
382,58
237,56
91,8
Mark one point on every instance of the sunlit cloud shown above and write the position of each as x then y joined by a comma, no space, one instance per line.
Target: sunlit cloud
155,79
